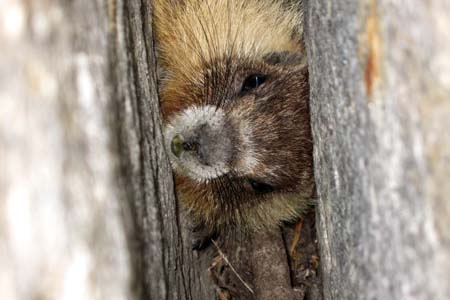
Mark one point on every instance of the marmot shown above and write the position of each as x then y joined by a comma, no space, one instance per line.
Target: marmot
235,105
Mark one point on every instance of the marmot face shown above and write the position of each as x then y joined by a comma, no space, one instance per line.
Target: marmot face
239,135
235,102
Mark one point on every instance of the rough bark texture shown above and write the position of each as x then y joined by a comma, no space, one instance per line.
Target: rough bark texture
61,231
165,266
380,86
277,265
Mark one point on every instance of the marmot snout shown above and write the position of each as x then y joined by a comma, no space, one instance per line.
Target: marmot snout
202,142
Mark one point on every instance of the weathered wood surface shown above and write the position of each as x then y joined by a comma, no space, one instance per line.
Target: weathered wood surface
61,230
380,86
276,265
165,266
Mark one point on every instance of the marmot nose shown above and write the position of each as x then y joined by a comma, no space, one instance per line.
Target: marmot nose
179,145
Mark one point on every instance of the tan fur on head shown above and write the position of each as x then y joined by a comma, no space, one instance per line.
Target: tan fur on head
192,32
208,48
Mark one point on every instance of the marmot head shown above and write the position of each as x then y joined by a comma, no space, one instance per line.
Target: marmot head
239,133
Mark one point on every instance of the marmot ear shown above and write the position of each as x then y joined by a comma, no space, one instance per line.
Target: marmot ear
286,59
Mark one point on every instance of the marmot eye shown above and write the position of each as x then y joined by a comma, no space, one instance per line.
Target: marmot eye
260,187
253,81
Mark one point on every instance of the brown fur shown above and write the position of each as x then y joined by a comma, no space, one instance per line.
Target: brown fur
207,48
